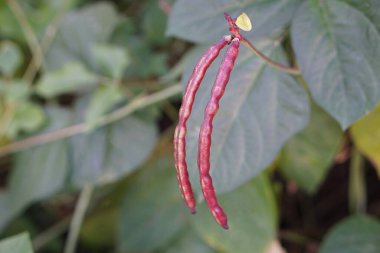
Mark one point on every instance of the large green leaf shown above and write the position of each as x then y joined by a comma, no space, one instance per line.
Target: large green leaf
152,211
337,47
356,234
366,136
251,210
308,155
16,244
6,212
110,152
203,21
78,31
188,242
261,108
40,171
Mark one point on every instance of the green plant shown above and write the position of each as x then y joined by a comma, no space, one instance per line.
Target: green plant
89,95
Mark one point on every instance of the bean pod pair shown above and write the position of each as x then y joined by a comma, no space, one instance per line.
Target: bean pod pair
205,133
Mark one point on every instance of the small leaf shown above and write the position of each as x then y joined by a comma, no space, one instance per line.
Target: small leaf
15,90
356,234
366,136
343,81
10,58
103,99
308,155
16,244
112,60
152,210
28,117
251,210
71,77
243,22
40,171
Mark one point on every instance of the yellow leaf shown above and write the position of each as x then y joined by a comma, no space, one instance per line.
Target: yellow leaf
243,22
366,136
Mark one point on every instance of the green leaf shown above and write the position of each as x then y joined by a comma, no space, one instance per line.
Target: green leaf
40,171
104,219
111,60
110,152
261,108
356,234
14,90
28,117
16,244
154,24
203,21
103,100
189,242
152,211
79,31
10,58
251,210
307,156
370,8
6,213
366,136
337,49
71,77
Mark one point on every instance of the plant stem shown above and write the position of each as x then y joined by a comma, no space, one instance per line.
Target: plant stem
31,38
357,185
136,104
51,233
79,214
284,68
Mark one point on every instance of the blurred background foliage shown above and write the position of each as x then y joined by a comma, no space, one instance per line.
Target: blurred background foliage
89,97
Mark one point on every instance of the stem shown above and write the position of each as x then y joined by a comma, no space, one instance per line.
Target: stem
31,38
79,214
277,65
51,234
136,104
357,185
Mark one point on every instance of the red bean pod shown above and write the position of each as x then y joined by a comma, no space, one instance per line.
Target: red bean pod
206,131
187,103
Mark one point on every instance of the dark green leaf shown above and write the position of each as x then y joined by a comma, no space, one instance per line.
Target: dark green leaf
261,108
189,242
16,244
337,47
6,213
71,77
308,155
251,210
356,234
154,24
203,21
78,31
40,171
152,211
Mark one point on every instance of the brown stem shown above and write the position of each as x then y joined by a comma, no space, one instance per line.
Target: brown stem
284,68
